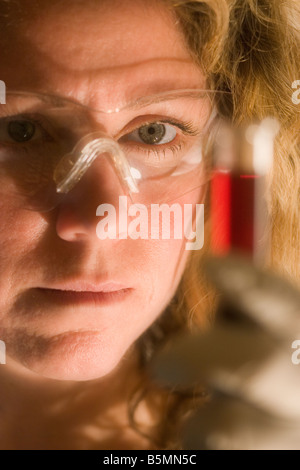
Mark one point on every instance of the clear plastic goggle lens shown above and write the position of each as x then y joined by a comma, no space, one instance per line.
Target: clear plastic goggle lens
47,144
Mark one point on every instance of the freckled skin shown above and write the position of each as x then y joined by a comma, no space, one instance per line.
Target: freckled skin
97,55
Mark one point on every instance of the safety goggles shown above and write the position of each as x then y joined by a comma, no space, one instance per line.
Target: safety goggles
154,145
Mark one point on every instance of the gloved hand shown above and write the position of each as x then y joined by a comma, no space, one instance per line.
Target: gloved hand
248,360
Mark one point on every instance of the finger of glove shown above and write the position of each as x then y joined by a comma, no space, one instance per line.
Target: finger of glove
192,358
271,301
230,424
236,360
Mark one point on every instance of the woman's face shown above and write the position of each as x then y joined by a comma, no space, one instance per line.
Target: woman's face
101,54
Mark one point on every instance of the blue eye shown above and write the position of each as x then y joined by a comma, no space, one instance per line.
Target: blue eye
154,133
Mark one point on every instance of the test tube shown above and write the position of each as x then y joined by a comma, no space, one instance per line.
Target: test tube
242,161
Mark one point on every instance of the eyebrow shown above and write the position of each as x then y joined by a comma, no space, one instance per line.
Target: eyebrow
160,97
156,98
151,78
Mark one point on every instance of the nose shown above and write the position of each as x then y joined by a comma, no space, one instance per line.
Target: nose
76,218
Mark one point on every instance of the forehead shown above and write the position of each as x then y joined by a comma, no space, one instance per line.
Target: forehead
79,48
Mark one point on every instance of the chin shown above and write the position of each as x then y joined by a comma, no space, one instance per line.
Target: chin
75,357
71,371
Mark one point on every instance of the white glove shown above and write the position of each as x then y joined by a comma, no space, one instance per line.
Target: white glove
249,363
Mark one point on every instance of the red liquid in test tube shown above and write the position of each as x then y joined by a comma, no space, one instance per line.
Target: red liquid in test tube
239,215
233,212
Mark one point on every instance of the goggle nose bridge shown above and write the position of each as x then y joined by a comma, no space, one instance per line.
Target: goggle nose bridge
74,165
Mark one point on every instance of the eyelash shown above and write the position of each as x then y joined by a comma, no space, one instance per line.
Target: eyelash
159,150
160,153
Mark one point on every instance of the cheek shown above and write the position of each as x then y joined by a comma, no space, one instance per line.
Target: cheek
157,267
159,264
20,232
163,262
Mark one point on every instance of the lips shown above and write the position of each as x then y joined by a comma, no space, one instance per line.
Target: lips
84,292
83,286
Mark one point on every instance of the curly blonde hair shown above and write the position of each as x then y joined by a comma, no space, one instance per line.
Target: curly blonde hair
250,48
